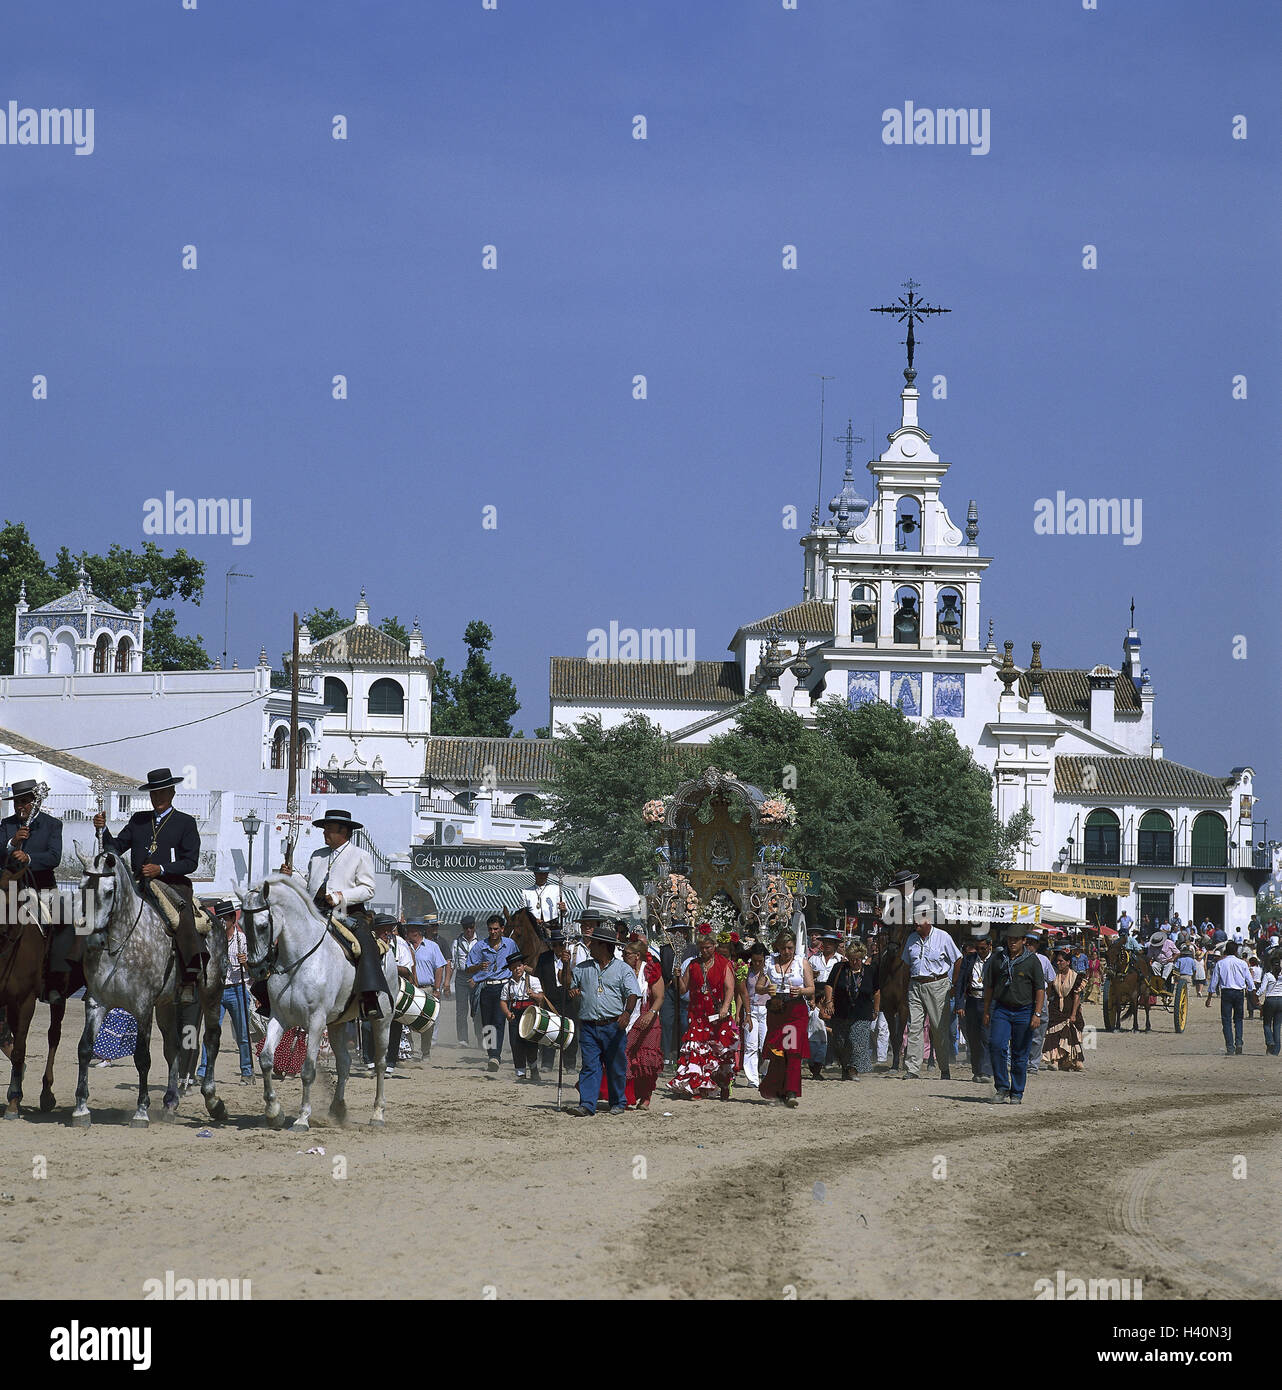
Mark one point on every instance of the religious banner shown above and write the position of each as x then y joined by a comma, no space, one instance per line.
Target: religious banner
1072,885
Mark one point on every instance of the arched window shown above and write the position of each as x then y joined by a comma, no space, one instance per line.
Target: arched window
102,655
335,696
948,618
1157,839
907,625
280,747
304,750
1210,842
124,649
1103,838
386,697
908,524
863,613
527,805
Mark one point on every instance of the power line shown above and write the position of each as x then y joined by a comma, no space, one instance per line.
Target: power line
149,733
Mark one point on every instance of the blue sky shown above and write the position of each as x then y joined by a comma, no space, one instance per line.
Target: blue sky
513,388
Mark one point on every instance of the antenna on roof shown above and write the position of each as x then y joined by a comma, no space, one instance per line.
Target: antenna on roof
819,495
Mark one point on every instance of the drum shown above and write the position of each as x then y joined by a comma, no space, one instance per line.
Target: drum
415,1008
542,1026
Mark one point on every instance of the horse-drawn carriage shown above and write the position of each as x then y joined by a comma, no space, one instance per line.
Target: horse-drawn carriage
1131,984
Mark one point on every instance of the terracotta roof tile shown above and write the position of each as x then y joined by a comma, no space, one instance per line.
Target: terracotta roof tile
581,680
1139,779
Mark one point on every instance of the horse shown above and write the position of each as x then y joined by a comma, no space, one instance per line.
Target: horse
892,981
1129,987
310,983
22,961
129,964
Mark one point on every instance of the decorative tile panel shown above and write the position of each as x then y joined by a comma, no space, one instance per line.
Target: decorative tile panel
949,695
861,687
905,691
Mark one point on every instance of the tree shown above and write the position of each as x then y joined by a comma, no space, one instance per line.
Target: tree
393,627
325,622
846,827
120,577
477,703
601,780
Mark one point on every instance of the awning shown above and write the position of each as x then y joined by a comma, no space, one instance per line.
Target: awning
456,893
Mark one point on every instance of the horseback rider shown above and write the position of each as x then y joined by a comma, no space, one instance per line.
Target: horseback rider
164,844
544,899
340,879
31,841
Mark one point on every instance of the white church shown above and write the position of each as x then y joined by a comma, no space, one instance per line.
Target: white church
890,610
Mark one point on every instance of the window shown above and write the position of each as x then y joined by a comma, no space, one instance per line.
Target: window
1157,839
102,655
1210,842
527,805
948,618
863,613
1103,838
907,625
386,697
1155,904
335,696
304,750
123,651
280,747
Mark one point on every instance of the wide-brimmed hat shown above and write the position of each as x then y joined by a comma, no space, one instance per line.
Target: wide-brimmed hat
224,907
1158,936
593,914
339,818
468,919
542,869
1014,929
383,921
903,876
605,933
27,787
158,779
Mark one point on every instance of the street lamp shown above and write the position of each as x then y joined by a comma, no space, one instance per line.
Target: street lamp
251,825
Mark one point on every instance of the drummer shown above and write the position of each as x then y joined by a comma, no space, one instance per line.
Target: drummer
519,993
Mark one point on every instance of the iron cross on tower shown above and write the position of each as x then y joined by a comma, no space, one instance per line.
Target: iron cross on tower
849,439
909,309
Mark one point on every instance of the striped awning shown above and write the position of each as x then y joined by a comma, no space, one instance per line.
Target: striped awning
456,893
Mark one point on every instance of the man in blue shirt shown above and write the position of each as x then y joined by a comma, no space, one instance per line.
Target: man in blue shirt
607,992
429,972
487,968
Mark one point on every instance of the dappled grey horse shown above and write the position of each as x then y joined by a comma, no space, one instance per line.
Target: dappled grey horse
129,964
309,983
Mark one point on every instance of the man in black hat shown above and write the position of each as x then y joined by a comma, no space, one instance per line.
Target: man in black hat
544,900
164,844
235,999
606,988
340,881
31,843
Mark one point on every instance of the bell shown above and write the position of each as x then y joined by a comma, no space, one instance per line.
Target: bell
907,621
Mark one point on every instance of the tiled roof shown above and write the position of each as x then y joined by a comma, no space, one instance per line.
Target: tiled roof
810,619
77,601
582,680
359,644
514,760
1069,692
1139,779
67,761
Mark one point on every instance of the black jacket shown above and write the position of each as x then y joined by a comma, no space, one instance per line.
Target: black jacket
177,845
43,846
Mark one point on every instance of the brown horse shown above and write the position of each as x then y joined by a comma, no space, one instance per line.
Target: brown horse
892,981
531,940
1129,982
22,970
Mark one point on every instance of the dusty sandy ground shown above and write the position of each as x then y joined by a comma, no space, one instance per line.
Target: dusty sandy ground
880,1188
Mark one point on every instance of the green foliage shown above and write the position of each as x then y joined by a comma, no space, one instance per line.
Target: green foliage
393,627
873,792
603,777
325,622
119,576
476,703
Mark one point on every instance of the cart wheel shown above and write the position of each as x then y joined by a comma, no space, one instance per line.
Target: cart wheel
1180,1007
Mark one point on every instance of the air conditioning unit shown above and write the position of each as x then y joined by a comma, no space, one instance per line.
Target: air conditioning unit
449,832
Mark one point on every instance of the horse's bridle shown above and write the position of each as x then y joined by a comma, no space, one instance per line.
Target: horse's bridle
270,964
105,934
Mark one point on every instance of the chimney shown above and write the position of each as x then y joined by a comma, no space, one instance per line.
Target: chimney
1102,679
1131,653
416,642
1156,750
362,610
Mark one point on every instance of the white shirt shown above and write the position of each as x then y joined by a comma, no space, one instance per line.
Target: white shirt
1231,973
404,953
351,875
458,951
783,981
543,902
1270,987
823,968
933,956
518,991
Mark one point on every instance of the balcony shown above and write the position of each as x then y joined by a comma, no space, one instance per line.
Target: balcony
1130,855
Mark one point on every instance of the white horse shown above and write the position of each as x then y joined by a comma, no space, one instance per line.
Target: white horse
129,964
309,983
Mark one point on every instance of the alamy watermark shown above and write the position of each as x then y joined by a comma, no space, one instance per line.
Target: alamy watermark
47,125
1090,516
944,125
660,645
197,516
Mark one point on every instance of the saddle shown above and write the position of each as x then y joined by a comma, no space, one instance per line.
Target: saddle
349,941
171,905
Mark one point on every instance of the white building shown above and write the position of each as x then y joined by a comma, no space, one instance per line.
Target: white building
890,610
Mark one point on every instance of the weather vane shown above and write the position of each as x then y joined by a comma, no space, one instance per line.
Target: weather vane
909,309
